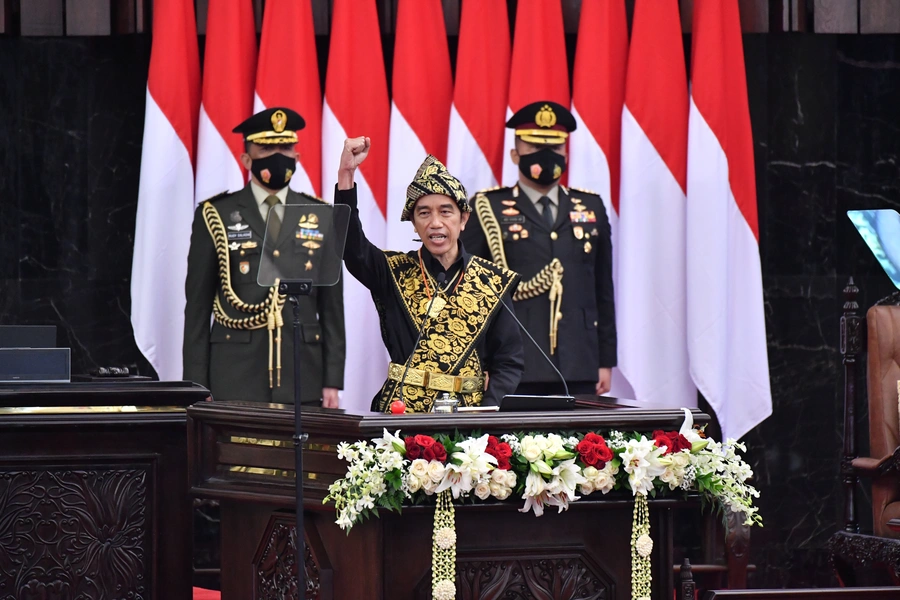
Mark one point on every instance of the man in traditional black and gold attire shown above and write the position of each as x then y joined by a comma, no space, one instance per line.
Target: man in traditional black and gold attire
468,337
248,352
558,238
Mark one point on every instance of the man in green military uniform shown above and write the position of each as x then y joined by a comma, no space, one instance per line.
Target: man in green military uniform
558,239
248,352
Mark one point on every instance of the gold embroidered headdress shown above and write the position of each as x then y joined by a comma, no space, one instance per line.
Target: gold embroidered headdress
434,178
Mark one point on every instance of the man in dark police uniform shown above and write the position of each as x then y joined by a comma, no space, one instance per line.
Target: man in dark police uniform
468,337
248,352
558,239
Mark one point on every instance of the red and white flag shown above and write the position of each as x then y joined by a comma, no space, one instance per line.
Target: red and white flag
229,71
420,110
166,193
356,103
726,327
475,145
598,94
288,75
650,298
539,68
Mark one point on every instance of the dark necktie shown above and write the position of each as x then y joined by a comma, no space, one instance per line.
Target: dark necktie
274,221
547,213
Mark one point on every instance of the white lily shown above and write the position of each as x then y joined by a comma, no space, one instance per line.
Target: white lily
641,461
390,441
456,479
473,457
566,476
687,428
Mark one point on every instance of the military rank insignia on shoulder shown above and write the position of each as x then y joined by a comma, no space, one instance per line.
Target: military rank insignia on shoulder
584,191
487,191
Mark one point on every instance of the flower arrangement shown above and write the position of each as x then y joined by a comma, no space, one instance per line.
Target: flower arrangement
542,469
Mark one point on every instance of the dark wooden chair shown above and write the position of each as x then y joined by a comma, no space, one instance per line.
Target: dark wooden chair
848,548
687,590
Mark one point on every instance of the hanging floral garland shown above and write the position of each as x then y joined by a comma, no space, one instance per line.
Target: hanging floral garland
543,469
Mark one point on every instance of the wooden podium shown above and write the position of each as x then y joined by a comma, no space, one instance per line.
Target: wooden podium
94,490
242,455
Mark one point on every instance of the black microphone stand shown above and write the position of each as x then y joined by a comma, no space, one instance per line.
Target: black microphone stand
293,289
487,283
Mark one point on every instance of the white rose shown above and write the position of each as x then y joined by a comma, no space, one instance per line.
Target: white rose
510,479
428,486
419,468
590,473
604,482
413,483
498,476
436,471
672,477
500,492
680,460
531,452
554,446
587,487
483,490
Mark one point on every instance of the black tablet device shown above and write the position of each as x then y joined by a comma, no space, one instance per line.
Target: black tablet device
514,402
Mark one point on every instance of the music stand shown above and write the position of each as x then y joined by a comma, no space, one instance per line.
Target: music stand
307,253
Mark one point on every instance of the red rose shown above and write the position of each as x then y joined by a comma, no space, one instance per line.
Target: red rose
503,464
680,442
413,451
594,439
504,451
425,441
604,454
584,447
662,439
672,440
428,453
440,453
493,442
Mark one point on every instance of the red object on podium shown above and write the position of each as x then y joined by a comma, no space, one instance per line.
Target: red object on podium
398,407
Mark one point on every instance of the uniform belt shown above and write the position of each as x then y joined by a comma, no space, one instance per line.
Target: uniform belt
437,381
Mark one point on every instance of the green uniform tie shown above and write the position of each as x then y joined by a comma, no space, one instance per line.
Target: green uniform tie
273,219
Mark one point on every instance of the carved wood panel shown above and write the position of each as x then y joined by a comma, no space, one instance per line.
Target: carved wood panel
524,578
276,567
71,534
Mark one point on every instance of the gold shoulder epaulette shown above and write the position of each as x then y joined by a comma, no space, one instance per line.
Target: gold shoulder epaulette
490,189
584,191
218,196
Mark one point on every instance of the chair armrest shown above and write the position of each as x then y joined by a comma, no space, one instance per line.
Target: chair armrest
875,467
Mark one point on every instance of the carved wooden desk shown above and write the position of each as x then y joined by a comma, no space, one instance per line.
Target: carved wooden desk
242,454
93,491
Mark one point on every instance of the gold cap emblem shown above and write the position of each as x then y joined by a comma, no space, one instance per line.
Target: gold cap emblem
545,117
279,121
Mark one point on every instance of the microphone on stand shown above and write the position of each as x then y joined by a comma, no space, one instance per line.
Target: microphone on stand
568,398
441,278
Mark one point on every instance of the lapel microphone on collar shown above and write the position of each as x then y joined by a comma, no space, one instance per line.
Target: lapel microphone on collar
441,278
487,283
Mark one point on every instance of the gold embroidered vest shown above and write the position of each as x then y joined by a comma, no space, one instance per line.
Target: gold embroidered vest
447,346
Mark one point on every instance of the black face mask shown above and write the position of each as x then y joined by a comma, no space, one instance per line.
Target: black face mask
274,171
542,167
